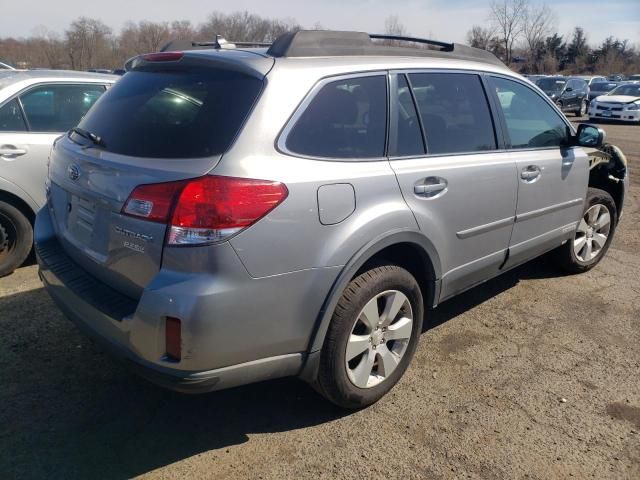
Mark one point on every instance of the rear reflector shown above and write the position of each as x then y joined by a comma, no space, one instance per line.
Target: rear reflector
163,56
173,338
206,209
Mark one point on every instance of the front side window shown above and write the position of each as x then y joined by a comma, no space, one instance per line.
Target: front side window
58,108
531,121
454,112
345,119
11,118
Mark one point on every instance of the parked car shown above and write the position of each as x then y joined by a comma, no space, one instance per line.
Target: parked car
36,106
621,104
6,66
350,187
591,79
616,77
569,93
601,88
634,78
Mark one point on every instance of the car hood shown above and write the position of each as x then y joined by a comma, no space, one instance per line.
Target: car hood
617,98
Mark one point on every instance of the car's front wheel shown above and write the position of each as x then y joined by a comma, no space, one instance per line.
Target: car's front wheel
372,337
593,234
16,238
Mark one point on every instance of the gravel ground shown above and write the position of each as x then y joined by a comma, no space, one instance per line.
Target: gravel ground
532,375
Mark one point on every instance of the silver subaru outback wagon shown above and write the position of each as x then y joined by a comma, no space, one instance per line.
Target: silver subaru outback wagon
232,215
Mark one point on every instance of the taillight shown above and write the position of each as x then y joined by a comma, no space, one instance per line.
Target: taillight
206,209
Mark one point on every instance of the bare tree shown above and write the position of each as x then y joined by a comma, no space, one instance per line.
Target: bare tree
537,24
87,42
480,37
392,26
507,16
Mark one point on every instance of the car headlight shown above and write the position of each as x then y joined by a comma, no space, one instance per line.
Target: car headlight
633,106
592,103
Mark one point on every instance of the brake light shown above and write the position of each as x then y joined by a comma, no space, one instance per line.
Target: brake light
163,56
206,209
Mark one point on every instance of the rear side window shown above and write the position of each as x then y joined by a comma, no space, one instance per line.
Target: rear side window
531,121
454,111
11,118
408,141
173,114
57,108
346,119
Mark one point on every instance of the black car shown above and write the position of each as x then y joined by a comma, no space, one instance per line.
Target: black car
570,94
600,88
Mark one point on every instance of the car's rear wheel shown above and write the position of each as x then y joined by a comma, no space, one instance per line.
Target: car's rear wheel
372,337
16,238
593,234
582,111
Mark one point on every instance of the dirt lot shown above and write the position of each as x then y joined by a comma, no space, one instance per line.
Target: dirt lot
533,375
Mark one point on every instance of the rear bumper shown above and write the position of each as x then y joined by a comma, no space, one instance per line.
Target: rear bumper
234,329
87,317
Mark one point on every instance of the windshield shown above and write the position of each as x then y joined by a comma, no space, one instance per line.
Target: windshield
551,84
173,115
631,90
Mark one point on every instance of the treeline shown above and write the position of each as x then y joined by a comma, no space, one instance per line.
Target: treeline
519,32
89,43
523,35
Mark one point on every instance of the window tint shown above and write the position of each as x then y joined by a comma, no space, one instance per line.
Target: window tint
531,121
346,119
11,118
57,108
173,114
409,139
454,112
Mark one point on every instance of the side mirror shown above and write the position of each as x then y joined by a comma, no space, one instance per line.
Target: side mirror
589,136
568,89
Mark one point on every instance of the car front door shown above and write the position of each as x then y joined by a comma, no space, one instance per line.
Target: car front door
552,178
34,119
460,186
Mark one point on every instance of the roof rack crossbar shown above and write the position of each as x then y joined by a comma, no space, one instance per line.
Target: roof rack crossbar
444,46
220,43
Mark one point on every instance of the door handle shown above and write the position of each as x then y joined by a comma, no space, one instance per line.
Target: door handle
430,187
531,173
11,151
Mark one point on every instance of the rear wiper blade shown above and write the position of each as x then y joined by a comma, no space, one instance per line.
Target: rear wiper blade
88,135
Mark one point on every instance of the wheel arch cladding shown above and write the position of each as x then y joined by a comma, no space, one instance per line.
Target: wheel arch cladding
394,247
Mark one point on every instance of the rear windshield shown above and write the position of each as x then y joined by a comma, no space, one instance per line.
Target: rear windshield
602,86
551,84
173,115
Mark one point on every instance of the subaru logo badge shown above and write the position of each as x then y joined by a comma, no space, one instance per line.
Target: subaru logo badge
74,172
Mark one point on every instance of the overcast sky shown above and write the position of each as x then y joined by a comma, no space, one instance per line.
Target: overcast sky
446,20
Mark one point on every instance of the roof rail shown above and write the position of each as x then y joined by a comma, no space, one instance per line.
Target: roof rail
328,43
444,47
220,43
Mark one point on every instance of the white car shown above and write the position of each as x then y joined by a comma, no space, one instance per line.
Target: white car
622,104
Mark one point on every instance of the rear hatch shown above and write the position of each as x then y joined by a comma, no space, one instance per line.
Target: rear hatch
170,118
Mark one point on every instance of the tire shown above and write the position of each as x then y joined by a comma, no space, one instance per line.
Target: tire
582,109
363,381
576,256
16,238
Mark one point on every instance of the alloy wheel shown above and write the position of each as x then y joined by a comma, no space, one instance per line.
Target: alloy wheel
379,338
592,233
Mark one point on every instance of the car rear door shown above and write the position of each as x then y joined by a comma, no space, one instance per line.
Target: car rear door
459,184
552,178
40,114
